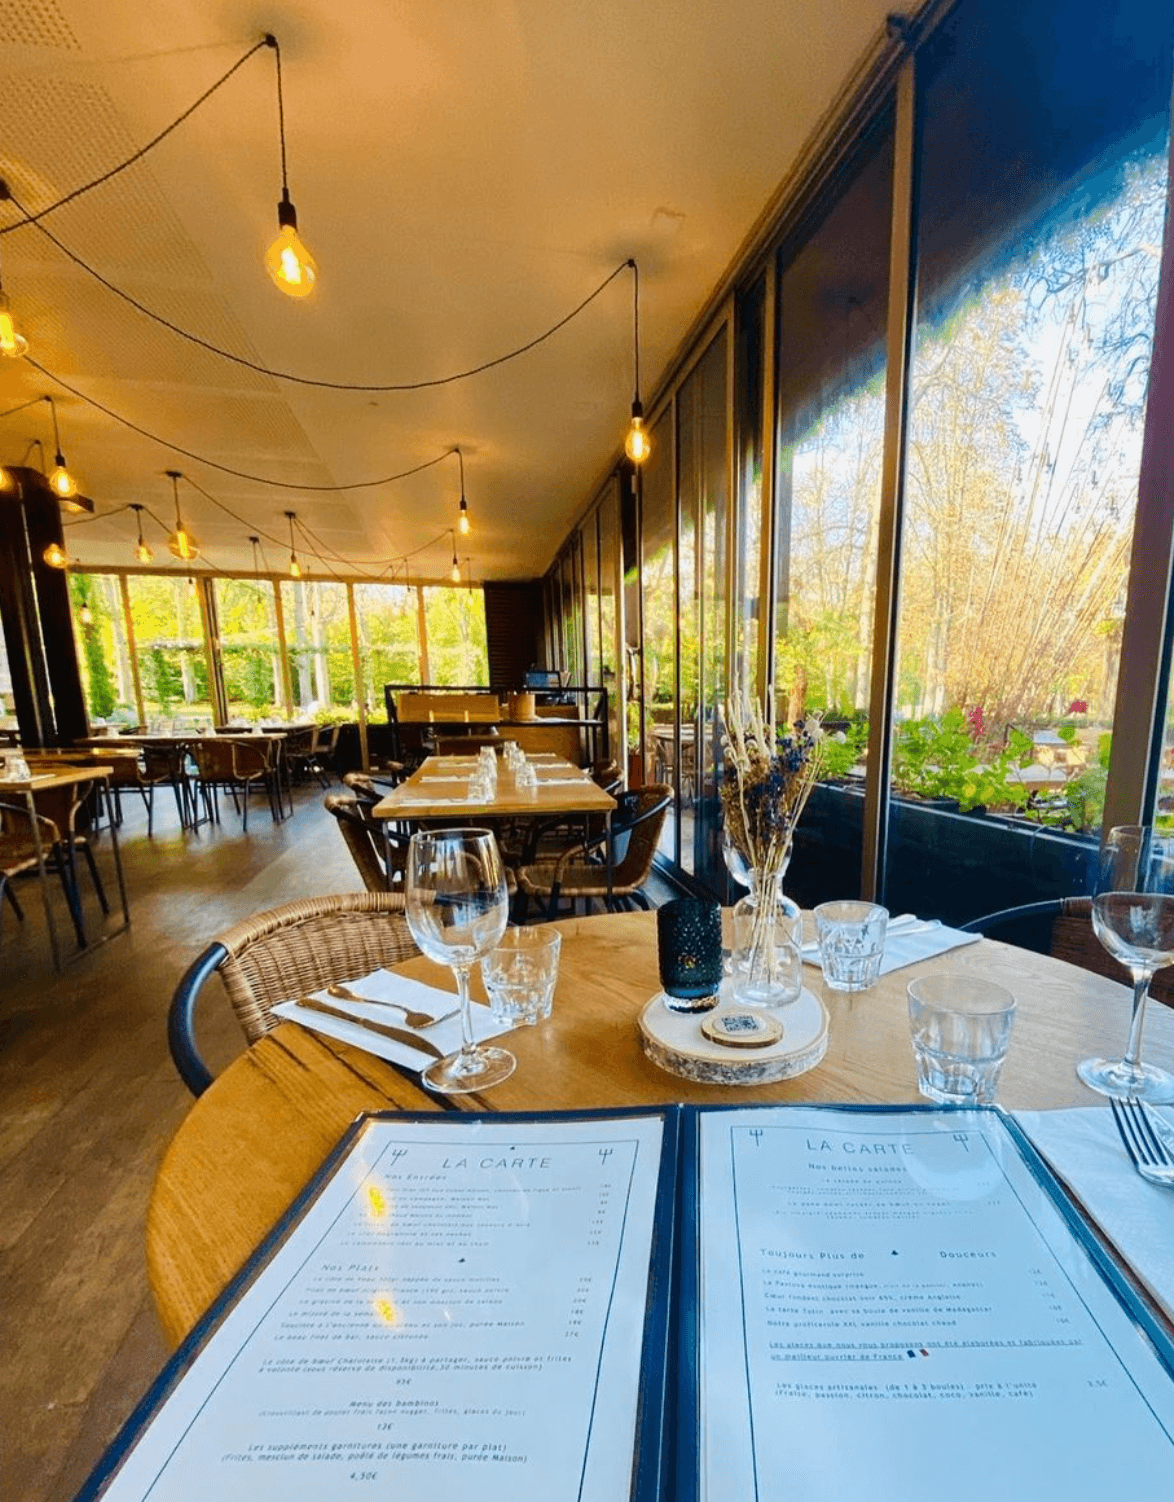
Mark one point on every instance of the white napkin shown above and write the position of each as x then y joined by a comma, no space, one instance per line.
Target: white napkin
549,782
1084,1149
907,940
384,986
445,777
432,798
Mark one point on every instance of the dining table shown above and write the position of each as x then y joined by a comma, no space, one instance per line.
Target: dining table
256,1137
52,774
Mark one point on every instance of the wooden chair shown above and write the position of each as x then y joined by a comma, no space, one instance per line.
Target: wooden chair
61,817
1063,928
380,855
580,872
235,765
279,956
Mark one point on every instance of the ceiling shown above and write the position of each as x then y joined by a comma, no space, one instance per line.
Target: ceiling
466,172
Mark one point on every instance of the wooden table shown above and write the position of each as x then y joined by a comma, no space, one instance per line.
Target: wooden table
254,1139
422,797
64,776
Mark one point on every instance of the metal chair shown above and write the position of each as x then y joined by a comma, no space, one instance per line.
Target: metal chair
580,872
223,762
1062,927
60,812
381,855
282,954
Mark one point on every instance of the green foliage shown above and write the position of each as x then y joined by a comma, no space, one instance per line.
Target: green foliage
1067,734
844,749
100,690
939,758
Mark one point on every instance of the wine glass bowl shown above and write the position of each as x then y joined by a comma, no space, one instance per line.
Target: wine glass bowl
457,907
1133,918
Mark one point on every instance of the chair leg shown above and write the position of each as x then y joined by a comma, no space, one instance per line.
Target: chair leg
98,887
65,869
149,799
246,797
10,892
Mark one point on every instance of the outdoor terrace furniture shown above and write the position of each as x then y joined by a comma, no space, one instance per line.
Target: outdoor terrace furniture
1063,928
580,872
282,954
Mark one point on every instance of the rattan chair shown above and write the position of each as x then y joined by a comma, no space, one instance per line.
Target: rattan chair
279,956
580,872
380,855
1063,928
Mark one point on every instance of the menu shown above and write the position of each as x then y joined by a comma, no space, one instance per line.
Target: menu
689,1305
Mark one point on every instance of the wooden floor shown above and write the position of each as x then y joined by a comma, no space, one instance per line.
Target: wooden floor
88,1100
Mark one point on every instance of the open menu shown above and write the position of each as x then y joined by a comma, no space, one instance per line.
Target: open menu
688,1304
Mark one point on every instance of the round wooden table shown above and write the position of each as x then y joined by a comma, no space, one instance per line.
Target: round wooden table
254,1139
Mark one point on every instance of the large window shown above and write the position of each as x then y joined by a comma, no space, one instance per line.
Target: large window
169,639
318,638
389,638
99,625
457,649
251,664
658,611
1038,285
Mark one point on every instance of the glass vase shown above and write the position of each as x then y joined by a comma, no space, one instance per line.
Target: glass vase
766,965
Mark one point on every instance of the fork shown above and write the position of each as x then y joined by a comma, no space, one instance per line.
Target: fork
1143,1141
411,1017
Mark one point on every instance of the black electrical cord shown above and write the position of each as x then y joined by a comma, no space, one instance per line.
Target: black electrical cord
136,156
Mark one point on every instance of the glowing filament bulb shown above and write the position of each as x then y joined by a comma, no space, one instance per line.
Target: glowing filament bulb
143,552
287,260
463,523
455,574
86,616
637,445
295,568
183,545
56,556
12,343
61,482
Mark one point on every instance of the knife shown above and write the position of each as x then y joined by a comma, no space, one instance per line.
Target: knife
395,1034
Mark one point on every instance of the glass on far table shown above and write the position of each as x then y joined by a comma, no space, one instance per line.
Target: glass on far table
851,943
1133,917
457,908
520,975
960,1027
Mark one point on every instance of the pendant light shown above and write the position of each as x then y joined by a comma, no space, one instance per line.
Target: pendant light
638,443
13,344
61,482
293,269
463,518
455,571
295,568
182,543
56,556
86,616
256,542
143,552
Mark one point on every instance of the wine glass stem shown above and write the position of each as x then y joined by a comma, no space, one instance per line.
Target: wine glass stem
468,1046
1141,985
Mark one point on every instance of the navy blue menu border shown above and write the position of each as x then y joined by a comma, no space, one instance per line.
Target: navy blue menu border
651,1476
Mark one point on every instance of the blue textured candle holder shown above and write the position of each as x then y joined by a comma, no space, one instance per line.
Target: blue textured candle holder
689,949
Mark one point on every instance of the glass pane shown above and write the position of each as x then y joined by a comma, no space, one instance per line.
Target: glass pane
389,644
659,608
318,638
833,306
169,641
457,652
751,325
590,540
1039,265
99,631
608,564
8,719
251,664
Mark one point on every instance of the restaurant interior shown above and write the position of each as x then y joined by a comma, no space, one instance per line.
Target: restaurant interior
732,459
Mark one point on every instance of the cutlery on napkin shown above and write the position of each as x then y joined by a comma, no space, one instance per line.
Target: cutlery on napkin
907,940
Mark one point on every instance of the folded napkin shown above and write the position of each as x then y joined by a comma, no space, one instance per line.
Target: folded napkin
383,986
443,777
431,798
549,782
1084,1149
907,940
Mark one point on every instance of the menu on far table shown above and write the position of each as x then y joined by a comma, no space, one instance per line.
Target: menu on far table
461,1311
890,1305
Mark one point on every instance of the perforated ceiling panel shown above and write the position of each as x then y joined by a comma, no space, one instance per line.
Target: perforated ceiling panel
35,23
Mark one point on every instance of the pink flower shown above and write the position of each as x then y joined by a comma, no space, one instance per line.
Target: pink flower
1078,706
976,721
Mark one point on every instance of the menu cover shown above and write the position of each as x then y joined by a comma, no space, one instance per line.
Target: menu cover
684,1304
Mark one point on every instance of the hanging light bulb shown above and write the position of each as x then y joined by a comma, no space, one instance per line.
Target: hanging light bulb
295,568
5,480
637,443
181,544
143,553
61,482
56,556
291,266
455,572
86,616
12,343
463,517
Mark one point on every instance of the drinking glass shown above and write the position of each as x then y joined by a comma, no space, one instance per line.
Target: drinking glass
1133,917
457,909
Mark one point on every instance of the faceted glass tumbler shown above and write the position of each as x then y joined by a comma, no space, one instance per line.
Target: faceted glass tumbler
689,949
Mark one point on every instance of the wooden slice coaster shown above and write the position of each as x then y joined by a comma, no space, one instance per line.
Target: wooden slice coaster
676,1042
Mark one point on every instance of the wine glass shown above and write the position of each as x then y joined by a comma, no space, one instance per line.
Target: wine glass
1133,917
457,909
